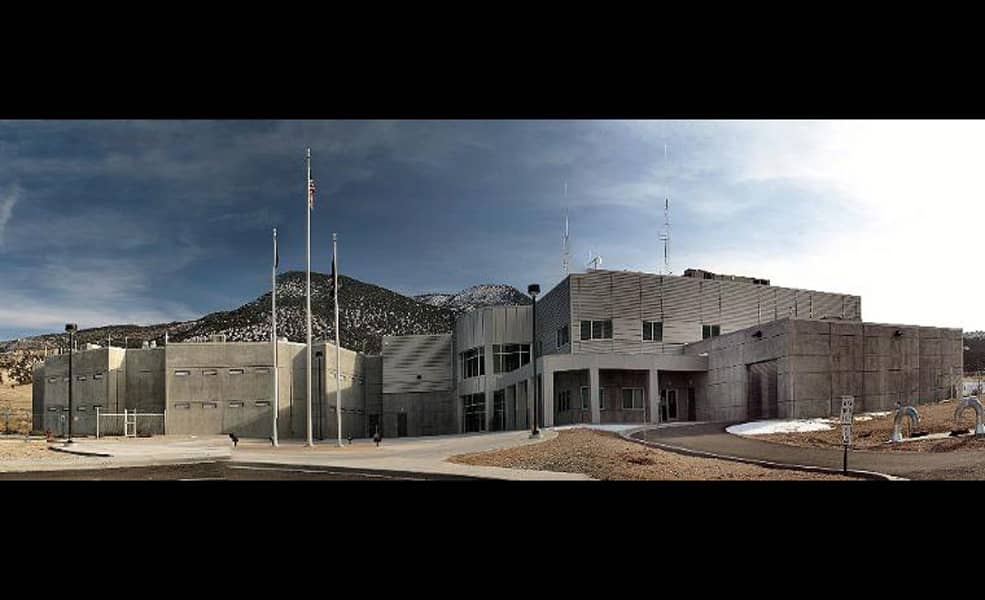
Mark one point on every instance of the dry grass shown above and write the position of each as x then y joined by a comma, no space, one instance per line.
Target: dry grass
17,401
604,455
875,434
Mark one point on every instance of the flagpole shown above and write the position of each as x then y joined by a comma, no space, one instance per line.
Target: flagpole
338,347
273,328
310,442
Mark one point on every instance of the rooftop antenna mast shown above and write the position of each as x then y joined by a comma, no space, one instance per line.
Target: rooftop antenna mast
665,236
565,251
594,261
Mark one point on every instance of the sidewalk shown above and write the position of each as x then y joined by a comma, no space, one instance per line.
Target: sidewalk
419,455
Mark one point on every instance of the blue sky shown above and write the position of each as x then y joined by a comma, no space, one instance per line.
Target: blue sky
142,222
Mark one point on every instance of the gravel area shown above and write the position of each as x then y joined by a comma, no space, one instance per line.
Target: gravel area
19,449
604,455
874,434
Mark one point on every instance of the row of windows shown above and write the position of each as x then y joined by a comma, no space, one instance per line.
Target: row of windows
632,399
233,404
653,331
214,372
79,408
95,377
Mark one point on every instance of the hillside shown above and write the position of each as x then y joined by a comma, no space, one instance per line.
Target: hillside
367,312
476,296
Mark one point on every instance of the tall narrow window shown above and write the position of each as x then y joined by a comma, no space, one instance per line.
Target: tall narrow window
562,336
601,398
586,330
585,397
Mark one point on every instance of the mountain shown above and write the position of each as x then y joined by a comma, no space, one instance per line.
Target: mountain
366,313
475,297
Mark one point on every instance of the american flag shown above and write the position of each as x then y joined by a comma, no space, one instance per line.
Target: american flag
311,194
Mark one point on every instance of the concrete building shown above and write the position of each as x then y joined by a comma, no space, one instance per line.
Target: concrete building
203,388
611,347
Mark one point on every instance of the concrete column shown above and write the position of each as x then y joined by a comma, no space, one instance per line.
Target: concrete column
653,393
530,401
593,391
489,409
548,397
510,402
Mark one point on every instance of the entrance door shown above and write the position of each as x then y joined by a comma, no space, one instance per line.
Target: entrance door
668,405
761,402
401,424
691,409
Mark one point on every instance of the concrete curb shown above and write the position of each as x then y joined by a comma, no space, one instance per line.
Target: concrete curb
80,452
872,475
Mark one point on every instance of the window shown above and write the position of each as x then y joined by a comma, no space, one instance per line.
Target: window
209,405
632,398
235,405
473,362
562,336
82,409
182,373
262,370
262,403
97,376
564,401
596,330
601,398
209,373
586,397
510,357
474,413
653,331
708,331
235,371
52,379
182,405
80,378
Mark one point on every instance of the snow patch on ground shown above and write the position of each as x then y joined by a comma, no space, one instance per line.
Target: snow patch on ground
779,426
616,428
798,425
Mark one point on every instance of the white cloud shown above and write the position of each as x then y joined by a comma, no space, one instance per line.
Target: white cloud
7,202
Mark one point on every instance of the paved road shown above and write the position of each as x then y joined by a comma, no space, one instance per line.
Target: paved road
226,471
712,437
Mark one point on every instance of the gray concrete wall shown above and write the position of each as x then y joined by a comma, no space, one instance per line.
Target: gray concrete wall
216,388
683,305
819,361
94,385
417,363
428,413
373,390
553,312
144,389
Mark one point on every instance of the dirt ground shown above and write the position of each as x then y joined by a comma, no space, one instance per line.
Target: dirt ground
15,408
604,455
875,434
17,448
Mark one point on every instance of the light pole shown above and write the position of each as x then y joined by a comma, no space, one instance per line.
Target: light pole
318,356
71,328
533,289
